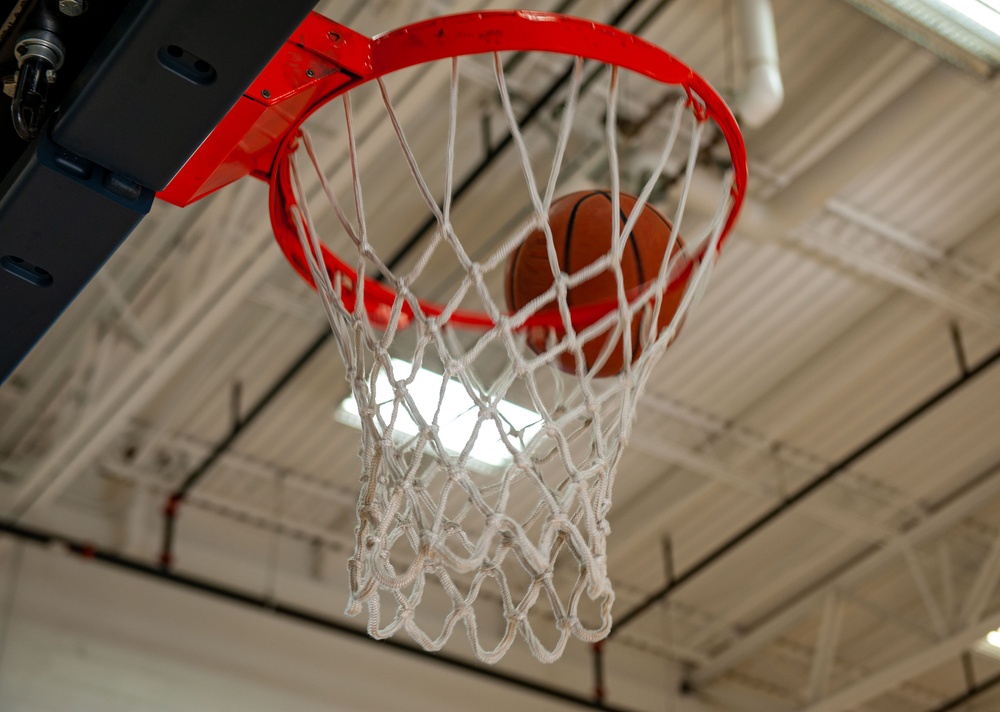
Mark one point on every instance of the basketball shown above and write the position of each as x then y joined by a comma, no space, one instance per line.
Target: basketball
581,225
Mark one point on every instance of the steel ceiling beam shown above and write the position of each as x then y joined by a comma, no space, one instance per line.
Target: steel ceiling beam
984,490
891,676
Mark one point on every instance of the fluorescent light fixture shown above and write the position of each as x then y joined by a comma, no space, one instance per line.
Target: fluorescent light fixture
989,645
964,32
456,420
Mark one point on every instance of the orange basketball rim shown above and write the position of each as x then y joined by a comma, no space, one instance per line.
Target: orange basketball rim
324,59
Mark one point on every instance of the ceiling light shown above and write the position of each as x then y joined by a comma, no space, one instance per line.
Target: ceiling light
457,418
964,32
993,638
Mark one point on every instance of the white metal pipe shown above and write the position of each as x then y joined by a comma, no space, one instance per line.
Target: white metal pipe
763,92
824,656
935,613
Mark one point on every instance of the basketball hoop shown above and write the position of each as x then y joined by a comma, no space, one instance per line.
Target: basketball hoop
531,524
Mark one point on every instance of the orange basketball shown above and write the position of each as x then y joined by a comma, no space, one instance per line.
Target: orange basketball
581,226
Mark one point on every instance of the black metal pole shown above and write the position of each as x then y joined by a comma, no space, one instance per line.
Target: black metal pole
790,501
600,689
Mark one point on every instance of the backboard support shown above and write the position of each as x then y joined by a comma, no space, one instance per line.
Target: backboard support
121,130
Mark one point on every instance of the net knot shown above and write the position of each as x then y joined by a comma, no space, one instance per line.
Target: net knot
561,286
522,461
567,623
559,522
365,411
518,368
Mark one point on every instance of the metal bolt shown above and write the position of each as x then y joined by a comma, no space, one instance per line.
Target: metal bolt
72,8
50,76
310,73
265,93
10,85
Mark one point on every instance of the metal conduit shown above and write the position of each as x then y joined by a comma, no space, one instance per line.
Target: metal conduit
793,499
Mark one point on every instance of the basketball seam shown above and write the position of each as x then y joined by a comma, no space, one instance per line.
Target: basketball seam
631,239
568,237
514,302
662,218
641,274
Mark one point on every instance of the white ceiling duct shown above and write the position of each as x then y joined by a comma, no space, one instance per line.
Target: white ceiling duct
762,93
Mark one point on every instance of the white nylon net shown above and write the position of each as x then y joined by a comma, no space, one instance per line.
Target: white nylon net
487,471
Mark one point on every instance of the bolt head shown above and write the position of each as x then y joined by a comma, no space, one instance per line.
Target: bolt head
72,8
50,76
310,73
265,93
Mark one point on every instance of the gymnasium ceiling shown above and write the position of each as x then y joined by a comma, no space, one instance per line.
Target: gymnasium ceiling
850,332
